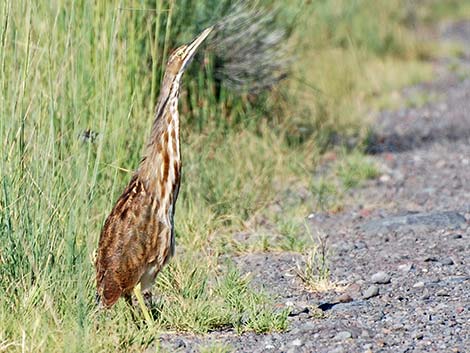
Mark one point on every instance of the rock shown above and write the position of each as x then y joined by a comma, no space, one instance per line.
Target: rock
343,335
405,267
457,279
442,293
385,178
296,311
371,292
447,261
296,343
179,343
360,245
430,259
344,298
457,236
381,278
416,221
418,285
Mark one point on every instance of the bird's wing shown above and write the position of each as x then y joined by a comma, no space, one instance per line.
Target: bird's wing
131,238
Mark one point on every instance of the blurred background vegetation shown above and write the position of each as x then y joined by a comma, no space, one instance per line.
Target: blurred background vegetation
79,81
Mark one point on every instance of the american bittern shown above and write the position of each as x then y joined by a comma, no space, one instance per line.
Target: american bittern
138,237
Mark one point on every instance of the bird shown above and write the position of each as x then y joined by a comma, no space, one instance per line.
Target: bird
138,236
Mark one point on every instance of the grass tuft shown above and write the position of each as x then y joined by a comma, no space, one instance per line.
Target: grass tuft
356,168
315,271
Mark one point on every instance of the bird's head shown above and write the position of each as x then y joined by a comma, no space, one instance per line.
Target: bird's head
180,59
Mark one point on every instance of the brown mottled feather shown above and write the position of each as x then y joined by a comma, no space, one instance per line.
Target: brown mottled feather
128,242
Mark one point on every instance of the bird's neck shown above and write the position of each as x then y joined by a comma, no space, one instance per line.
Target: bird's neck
161,165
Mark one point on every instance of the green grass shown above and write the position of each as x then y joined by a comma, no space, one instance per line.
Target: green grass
354,169
68,68
191,303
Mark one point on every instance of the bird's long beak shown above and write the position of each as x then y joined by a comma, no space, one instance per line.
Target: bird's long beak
192,47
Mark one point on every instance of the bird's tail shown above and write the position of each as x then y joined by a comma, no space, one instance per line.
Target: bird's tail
108,293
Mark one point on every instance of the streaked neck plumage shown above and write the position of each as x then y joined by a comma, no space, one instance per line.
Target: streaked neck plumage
161,167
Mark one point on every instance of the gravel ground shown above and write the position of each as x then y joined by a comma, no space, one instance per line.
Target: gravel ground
400,249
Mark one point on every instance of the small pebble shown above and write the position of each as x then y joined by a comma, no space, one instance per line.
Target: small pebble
430,259
442,293
179,343
344,298
371,292
296,343
381,278
418,285
269,346
360,245
405,267
447,261
296,311
385,178
343,335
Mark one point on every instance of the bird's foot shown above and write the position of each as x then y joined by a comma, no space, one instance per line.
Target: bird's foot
154,303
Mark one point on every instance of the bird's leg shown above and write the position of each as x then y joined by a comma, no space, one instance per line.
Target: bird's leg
148,299
153,303
140,300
